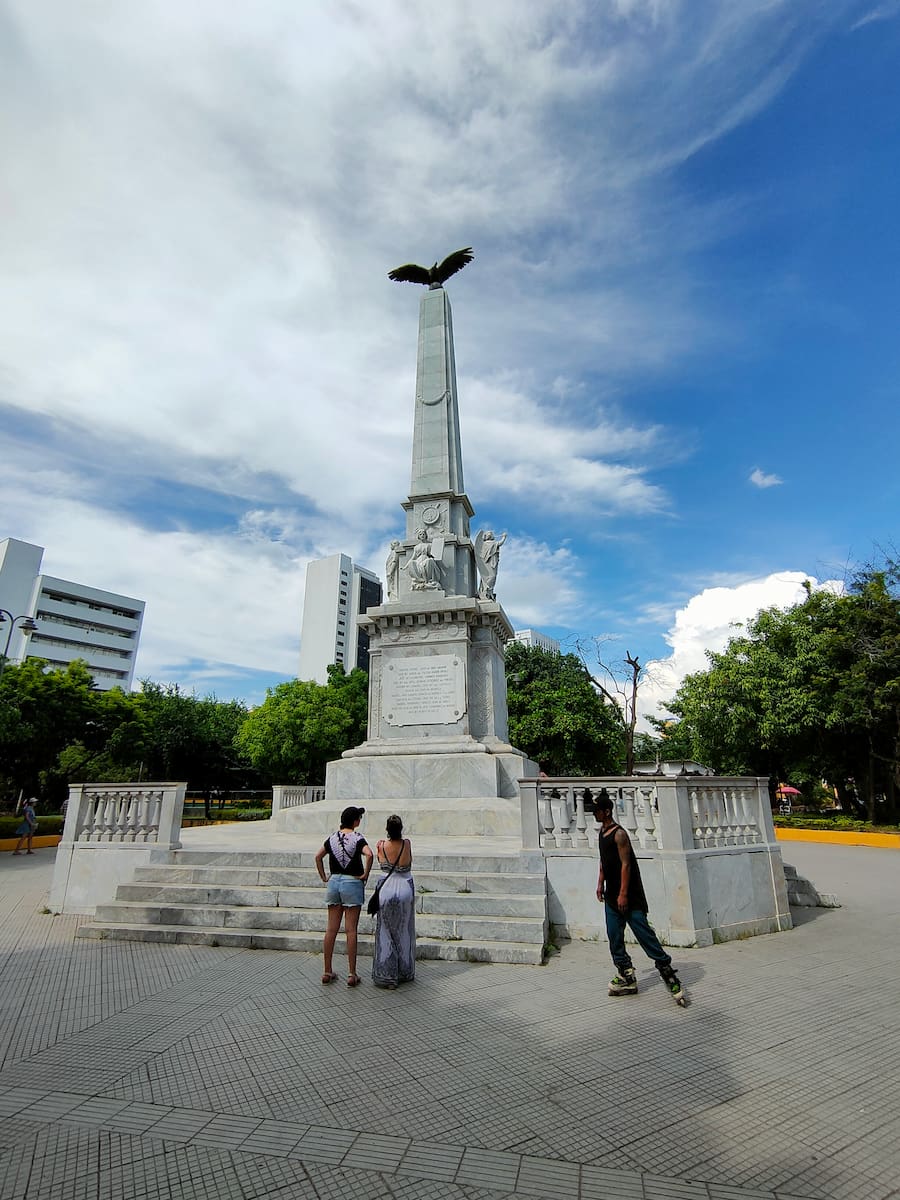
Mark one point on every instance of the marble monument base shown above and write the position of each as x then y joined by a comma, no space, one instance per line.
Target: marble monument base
424,817
445,771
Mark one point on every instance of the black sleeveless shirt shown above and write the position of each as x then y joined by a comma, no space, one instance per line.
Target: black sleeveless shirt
612,873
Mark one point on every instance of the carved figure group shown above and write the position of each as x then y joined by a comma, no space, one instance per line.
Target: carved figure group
422,567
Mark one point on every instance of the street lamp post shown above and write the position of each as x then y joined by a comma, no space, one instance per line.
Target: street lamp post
26,623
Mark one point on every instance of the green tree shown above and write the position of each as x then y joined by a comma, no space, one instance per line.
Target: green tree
41,712
807,694
558,716
302,725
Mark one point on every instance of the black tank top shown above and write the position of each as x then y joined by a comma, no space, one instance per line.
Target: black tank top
612,873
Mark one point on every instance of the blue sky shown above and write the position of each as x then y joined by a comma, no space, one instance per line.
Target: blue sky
677,348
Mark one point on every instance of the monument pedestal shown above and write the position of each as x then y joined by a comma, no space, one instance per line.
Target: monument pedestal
438,750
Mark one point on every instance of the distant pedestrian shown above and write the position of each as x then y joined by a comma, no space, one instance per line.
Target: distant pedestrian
27,829
620,890
346,851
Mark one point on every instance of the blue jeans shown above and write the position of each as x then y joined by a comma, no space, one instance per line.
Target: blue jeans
639,925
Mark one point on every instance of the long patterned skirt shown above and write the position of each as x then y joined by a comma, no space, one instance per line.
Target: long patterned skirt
395,931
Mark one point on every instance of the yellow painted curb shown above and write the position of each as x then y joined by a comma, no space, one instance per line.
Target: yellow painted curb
888,841
40,842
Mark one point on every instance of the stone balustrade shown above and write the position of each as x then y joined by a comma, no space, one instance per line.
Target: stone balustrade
658,812
110,829
706,847
120,813
285,796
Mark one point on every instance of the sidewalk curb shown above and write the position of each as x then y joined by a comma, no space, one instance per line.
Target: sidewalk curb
886,841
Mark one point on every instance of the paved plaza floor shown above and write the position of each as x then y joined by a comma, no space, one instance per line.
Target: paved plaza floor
147,1070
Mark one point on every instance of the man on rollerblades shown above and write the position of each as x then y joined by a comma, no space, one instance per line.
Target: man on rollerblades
619,886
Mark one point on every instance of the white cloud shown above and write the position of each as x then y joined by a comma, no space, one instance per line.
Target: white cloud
201,203
761,480
708,620
881,12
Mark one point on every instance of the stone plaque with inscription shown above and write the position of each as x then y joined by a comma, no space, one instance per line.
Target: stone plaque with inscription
424,691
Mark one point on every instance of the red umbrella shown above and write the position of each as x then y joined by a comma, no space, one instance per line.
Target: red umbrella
786,790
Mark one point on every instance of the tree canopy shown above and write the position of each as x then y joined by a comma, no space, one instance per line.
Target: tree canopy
807,694
302,725
57,727
558,716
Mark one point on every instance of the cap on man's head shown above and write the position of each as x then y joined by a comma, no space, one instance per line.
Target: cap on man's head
603,802
351,815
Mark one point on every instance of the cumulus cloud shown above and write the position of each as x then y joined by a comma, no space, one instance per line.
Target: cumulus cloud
201,203
707,622
761,480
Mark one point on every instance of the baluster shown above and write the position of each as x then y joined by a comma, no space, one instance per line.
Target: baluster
545,815
156,800
629,820
119,815
105,814
579,832
146,816
648,820
739,816
709,829
97,817
559,807
132,819
751,800
697,816
726,827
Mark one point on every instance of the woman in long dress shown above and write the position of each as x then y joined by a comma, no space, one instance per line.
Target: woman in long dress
395,927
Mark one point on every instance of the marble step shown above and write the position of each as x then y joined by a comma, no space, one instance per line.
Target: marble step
451,926
428,900
447,950
477,862
457,882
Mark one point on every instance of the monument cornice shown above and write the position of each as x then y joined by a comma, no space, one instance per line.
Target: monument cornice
454,497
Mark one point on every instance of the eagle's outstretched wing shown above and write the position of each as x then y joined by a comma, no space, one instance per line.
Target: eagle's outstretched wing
410,273
452,263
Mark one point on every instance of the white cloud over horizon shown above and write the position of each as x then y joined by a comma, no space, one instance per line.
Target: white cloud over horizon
707,622
206,378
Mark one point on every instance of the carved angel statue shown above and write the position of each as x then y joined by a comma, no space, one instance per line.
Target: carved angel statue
487,558
422,567
392,570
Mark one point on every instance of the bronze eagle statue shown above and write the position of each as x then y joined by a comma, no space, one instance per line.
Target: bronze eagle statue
433,277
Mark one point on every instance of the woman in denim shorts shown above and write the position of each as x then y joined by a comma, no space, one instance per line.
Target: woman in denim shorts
347,853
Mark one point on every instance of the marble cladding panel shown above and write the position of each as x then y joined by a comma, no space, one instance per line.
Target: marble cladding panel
347,779
85,876
392,778
694,899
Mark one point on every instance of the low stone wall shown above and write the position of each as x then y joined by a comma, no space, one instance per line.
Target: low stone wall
110,829
710,863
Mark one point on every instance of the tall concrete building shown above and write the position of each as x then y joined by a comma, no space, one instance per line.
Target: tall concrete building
337,592
73,620
535,640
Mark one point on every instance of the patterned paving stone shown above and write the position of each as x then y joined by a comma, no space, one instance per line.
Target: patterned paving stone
151,1072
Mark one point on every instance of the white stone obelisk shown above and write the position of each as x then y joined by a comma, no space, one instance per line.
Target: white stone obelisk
437,734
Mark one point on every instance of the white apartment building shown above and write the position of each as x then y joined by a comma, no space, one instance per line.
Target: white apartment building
531,638
73,620
337,592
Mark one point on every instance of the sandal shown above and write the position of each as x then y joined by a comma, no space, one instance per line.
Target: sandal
353,981
329,977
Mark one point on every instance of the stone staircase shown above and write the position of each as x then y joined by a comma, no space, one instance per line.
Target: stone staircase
471,908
